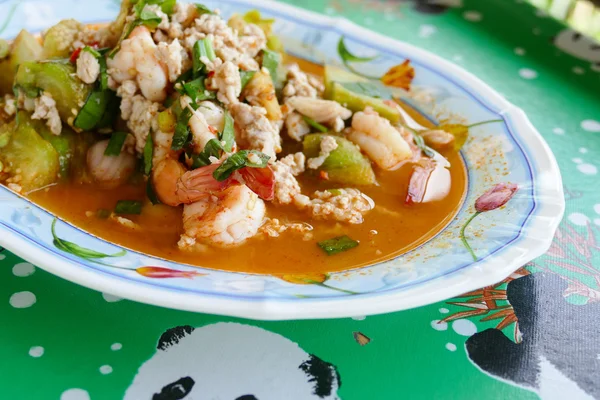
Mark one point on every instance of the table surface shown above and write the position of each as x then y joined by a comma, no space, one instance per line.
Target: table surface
534,335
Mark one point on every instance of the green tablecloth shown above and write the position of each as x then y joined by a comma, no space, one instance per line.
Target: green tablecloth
534,335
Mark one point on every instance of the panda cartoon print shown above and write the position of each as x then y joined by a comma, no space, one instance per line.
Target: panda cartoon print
231,361
579,46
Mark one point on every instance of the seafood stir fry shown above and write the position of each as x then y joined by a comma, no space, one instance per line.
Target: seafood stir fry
212,118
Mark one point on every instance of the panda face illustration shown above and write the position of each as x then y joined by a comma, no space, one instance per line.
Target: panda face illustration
578,45
230,361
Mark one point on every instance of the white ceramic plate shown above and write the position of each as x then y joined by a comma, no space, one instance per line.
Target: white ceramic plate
442,268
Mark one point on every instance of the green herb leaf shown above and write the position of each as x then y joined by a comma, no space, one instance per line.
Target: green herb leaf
182,130
197,91
337,245
77,250
228,134
346,56
315,124
93,112
212,148
246,76
148,154
271,62
167,6
240,160
420,142
202,9
128,207
115,144
202,48
151,192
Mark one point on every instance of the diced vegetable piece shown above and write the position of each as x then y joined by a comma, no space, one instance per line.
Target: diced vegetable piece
358,102
36,159
345,165
260,91
58,79
64,144
337,245
334,74
58,39
237,22
24,48
4,48
166,121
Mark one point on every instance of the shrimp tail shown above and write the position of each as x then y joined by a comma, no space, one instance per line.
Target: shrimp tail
196,184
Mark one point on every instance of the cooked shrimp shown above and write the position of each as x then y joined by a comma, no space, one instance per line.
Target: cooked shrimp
165,176
109,171
174,185
380,140
201,122
138,59
225,220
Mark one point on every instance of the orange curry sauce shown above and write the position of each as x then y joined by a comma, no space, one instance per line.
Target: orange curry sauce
389,230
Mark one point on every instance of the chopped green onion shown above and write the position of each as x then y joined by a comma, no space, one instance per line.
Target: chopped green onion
115,144
92,51
212,148
315,124
103,213
240,160
93,112
197,91
128,207
202,48
148,154
335,192
337,245
202,9
182,130
246,76
228,134
271,61
151,192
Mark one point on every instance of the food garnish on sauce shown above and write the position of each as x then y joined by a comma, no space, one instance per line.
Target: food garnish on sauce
180,134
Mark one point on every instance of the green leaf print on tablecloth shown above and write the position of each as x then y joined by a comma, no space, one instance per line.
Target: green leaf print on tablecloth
66,341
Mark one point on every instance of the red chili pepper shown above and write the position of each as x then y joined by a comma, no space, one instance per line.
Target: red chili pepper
162,273
213,130
75,55
324,175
